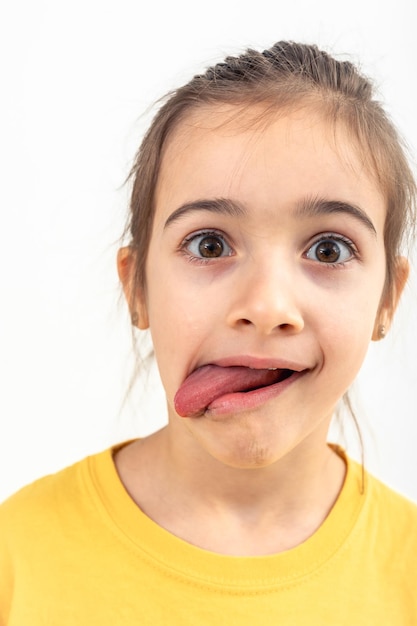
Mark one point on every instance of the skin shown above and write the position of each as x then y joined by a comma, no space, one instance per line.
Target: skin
265,475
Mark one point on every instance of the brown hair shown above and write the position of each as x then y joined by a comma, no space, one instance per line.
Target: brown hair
285,75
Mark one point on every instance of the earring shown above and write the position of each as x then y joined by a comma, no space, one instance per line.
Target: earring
381,331
135,318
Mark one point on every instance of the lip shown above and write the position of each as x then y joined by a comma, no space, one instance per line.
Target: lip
260,363
238,402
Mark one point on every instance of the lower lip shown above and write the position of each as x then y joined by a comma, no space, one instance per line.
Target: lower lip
245,401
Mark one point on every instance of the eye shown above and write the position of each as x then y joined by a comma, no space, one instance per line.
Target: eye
331,249
206,245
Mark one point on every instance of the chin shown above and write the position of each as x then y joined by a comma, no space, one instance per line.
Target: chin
245,455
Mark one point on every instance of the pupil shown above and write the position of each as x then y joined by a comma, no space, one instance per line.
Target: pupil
328,251
210,247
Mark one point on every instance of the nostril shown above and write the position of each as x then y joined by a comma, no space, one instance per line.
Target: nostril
245,322
266,318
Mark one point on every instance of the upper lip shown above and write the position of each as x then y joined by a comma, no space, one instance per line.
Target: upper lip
256,362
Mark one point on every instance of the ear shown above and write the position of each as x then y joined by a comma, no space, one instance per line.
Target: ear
126,263
389,301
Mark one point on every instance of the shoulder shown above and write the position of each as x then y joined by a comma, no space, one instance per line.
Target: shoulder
391,517
37,506
30,526
384,519
396,505
379,499
36,498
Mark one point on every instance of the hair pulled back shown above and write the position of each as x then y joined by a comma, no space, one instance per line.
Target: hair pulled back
285,75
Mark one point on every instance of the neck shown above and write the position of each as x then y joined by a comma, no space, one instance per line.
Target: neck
259,511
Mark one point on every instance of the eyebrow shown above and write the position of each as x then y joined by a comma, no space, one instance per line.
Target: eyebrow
320,206
216,205
310,207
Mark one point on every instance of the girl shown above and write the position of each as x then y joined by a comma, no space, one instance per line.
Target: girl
270,199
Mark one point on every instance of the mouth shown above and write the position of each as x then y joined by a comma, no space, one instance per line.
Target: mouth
268,377
212,385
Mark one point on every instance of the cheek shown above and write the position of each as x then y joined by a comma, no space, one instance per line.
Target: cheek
345,338
178,298
178,316
176,313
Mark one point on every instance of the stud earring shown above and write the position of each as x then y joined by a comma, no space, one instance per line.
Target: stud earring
382,331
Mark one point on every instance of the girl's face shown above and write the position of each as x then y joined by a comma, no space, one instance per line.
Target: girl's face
267,251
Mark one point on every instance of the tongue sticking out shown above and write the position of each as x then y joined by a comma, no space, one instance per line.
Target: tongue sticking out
209,382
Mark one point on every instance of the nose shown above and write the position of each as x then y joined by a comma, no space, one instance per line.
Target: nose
268,300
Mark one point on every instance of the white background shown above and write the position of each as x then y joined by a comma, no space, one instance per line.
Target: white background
77,80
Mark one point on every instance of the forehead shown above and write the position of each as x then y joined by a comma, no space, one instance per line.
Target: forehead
262,156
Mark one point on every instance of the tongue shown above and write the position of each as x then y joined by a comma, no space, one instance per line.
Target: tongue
209,382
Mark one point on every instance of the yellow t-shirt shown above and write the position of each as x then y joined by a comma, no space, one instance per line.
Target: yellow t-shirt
76,550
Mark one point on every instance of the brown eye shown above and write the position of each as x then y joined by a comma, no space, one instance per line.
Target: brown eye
331,251
328,252
207,245
211,247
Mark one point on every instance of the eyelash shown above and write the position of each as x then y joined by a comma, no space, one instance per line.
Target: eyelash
331,237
